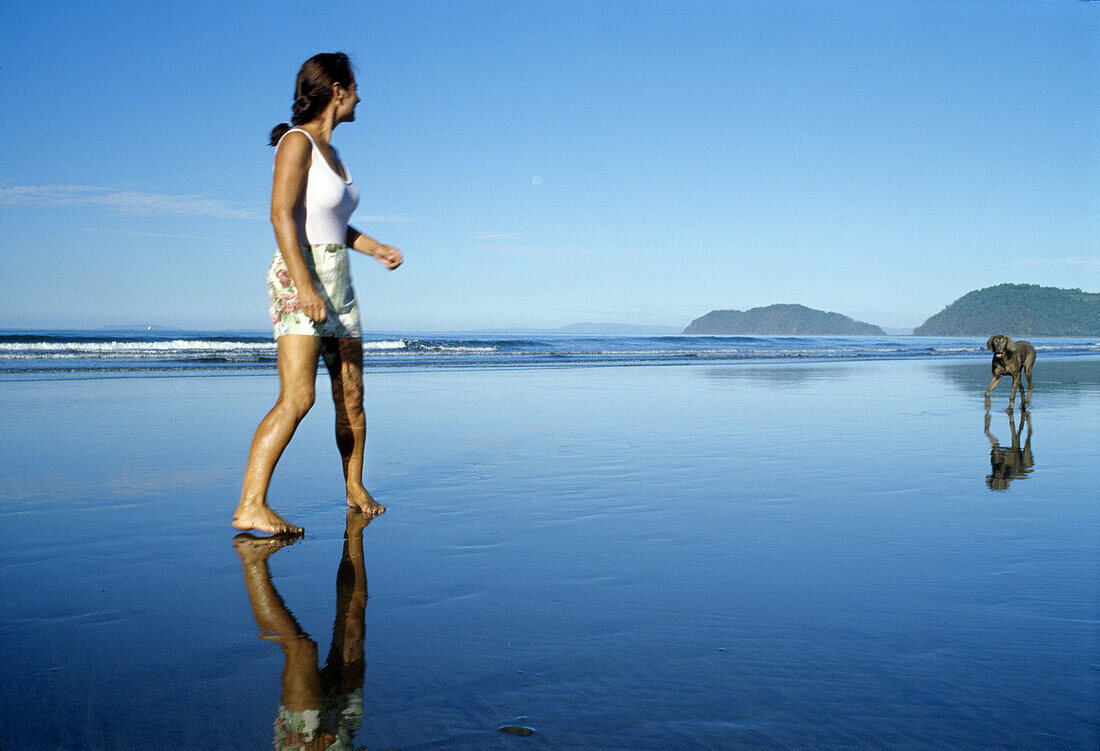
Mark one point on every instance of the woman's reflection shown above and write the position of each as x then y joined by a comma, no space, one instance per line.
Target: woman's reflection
1008,464
320,708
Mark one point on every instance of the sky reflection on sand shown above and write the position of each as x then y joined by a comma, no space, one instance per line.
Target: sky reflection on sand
690,557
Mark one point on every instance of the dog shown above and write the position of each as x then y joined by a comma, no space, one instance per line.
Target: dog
1014,359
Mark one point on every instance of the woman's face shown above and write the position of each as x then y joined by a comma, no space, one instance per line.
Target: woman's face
345,108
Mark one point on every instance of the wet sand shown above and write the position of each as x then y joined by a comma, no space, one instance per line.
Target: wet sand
837,555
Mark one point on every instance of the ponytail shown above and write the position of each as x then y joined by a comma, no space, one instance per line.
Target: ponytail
278,132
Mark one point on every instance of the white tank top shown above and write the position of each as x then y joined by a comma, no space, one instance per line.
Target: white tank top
329,200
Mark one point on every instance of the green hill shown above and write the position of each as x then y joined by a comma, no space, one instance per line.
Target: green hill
780,320
1018,310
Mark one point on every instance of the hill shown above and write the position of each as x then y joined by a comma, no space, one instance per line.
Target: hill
1017,310
780,320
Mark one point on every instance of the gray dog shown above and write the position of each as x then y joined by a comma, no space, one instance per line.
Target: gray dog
1011,358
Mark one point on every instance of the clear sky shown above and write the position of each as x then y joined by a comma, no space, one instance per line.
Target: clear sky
546,163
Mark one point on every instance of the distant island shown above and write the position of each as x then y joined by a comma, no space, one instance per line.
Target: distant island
781,320
1018,310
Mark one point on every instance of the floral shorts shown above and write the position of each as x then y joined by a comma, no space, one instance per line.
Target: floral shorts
328,268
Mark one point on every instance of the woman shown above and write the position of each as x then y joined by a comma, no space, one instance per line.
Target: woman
313,306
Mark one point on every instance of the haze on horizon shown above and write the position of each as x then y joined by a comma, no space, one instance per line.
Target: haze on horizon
548,163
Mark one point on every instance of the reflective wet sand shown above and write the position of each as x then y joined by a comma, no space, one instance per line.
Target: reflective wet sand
841,555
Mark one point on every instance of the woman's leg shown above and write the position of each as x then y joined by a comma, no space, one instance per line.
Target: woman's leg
297,373
344,360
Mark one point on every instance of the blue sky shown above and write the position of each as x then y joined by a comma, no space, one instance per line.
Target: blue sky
546,163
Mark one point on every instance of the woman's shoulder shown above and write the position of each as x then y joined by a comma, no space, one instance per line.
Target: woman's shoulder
295,138
295,148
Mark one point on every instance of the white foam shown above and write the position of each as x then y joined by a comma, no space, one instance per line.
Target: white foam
164,349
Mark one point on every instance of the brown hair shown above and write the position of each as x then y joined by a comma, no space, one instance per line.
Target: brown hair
313,90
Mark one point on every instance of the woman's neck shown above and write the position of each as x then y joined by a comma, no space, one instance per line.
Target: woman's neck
321,127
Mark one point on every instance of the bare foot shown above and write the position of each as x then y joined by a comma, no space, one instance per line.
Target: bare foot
263,519
359,498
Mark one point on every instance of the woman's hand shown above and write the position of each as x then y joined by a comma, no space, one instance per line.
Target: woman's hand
312,304
388,256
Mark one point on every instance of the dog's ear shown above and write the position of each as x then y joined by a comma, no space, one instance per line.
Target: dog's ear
1010,347
989,344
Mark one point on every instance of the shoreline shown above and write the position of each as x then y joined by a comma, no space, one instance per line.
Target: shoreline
43,374
28,358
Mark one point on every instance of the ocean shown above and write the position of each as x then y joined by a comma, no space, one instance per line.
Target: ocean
113,353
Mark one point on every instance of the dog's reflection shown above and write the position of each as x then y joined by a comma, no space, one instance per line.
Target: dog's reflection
320,708
1008,464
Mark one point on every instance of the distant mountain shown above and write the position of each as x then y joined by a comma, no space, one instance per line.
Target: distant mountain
621,329
1018,310
781,320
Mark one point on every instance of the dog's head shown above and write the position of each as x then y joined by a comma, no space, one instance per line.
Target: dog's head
999,345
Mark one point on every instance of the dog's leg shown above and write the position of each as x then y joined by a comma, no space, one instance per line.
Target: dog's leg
1030,386
992,385
1015,387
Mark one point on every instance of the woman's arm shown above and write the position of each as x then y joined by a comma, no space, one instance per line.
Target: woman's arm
292,162
389,257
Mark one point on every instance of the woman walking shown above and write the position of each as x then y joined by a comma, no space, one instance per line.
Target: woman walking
313,306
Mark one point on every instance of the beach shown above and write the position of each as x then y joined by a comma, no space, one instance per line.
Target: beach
822,554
